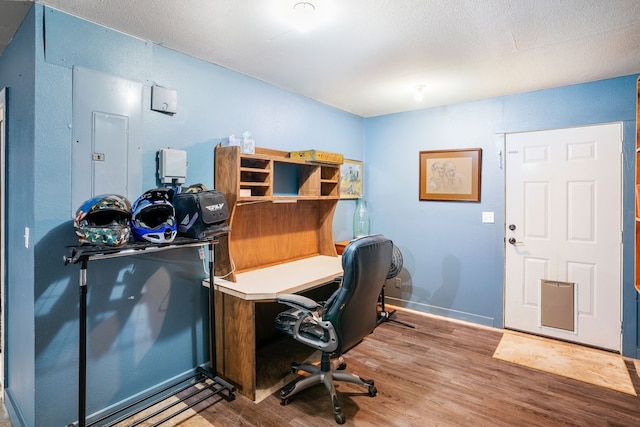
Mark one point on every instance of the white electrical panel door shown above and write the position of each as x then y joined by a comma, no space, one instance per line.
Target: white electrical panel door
107,136
110,145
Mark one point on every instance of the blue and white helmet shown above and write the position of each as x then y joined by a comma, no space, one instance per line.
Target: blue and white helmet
154,217
103,220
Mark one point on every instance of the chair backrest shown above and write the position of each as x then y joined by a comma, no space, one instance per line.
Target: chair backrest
352,308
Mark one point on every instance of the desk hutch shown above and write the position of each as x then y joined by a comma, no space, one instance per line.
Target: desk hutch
281,214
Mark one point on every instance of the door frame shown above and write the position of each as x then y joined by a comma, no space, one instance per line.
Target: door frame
3,319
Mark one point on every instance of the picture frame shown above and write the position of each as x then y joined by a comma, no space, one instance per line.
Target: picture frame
451,175
351,179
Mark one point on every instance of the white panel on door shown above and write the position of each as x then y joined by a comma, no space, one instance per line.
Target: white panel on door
534,268
583,274
581,151
537,154
536,209
581,211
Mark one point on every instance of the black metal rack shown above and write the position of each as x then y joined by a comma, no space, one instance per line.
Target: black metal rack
211,384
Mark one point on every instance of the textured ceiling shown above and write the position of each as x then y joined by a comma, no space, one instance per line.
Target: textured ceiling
11,15
367,56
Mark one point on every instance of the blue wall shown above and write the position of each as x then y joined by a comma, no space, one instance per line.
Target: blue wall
147,321
147,315
17,73
454,262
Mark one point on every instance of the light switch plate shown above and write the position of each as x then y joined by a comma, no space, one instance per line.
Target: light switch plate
487,217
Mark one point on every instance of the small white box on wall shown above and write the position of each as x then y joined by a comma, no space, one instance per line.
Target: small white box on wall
164,100
172,166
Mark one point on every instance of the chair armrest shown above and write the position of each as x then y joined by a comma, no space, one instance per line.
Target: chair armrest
298,301
330,345
311,312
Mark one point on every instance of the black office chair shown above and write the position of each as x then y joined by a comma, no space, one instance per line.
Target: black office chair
343,321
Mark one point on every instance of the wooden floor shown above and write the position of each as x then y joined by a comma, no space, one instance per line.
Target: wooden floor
439,374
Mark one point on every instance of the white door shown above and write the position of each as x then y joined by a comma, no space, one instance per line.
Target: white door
563,235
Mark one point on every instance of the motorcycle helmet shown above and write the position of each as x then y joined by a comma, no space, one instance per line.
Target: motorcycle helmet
103,220
154,217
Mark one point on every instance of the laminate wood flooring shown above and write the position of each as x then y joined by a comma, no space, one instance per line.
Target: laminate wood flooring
441,373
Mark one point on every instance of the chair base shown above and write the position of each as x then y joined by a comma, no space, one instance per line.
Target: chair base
326,376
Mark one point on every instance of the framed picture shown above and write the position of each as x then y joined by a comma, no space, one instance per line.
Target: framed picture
451,175
351,175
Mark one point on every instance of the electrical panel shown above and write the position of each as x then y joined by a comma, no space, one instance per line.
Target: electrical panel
106,156
172,166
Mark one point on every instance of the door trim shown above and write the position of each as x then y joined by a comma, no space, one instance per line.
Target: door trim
3,349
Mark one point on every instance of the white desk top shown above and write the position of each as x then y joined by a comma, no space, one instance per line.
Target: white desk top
287,278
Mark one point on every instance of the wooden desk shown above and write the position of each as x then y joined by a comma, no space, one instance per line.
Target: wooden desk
245,311
280,213
341,245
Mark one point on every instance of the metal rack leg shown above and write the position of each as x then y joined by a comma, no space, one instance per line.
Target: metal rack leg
226,390
82,348
213,361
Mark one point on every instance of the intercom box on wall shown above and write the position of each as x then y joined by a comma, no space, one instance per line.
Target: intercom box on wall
172,166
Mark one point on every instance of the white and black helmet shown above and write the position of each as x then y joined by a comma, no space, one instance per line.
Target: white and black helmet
154,217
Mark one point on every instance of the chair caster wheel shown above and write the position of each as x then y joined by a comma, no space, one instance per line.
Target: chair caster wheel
284,402
341,367
340,419
371,386
373,391
284,394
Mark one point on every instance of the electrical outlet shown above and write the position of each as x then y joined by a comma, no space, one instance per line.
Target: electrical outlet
397,282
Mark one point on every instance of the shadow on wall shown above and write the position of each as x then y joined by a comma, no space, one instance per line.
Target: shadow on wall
446,293
56,286
200,156
136,306
405,291
56,290
442,297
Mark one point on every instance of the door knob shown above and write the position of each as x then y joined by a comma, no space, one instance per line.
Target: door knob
513,241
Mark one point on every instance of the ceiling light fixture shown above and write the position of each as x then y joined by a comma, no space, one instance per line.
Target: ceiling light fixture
419,92
304,14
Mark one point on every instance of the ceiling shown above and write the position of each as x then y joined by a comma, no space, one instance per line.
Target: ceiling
368,56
